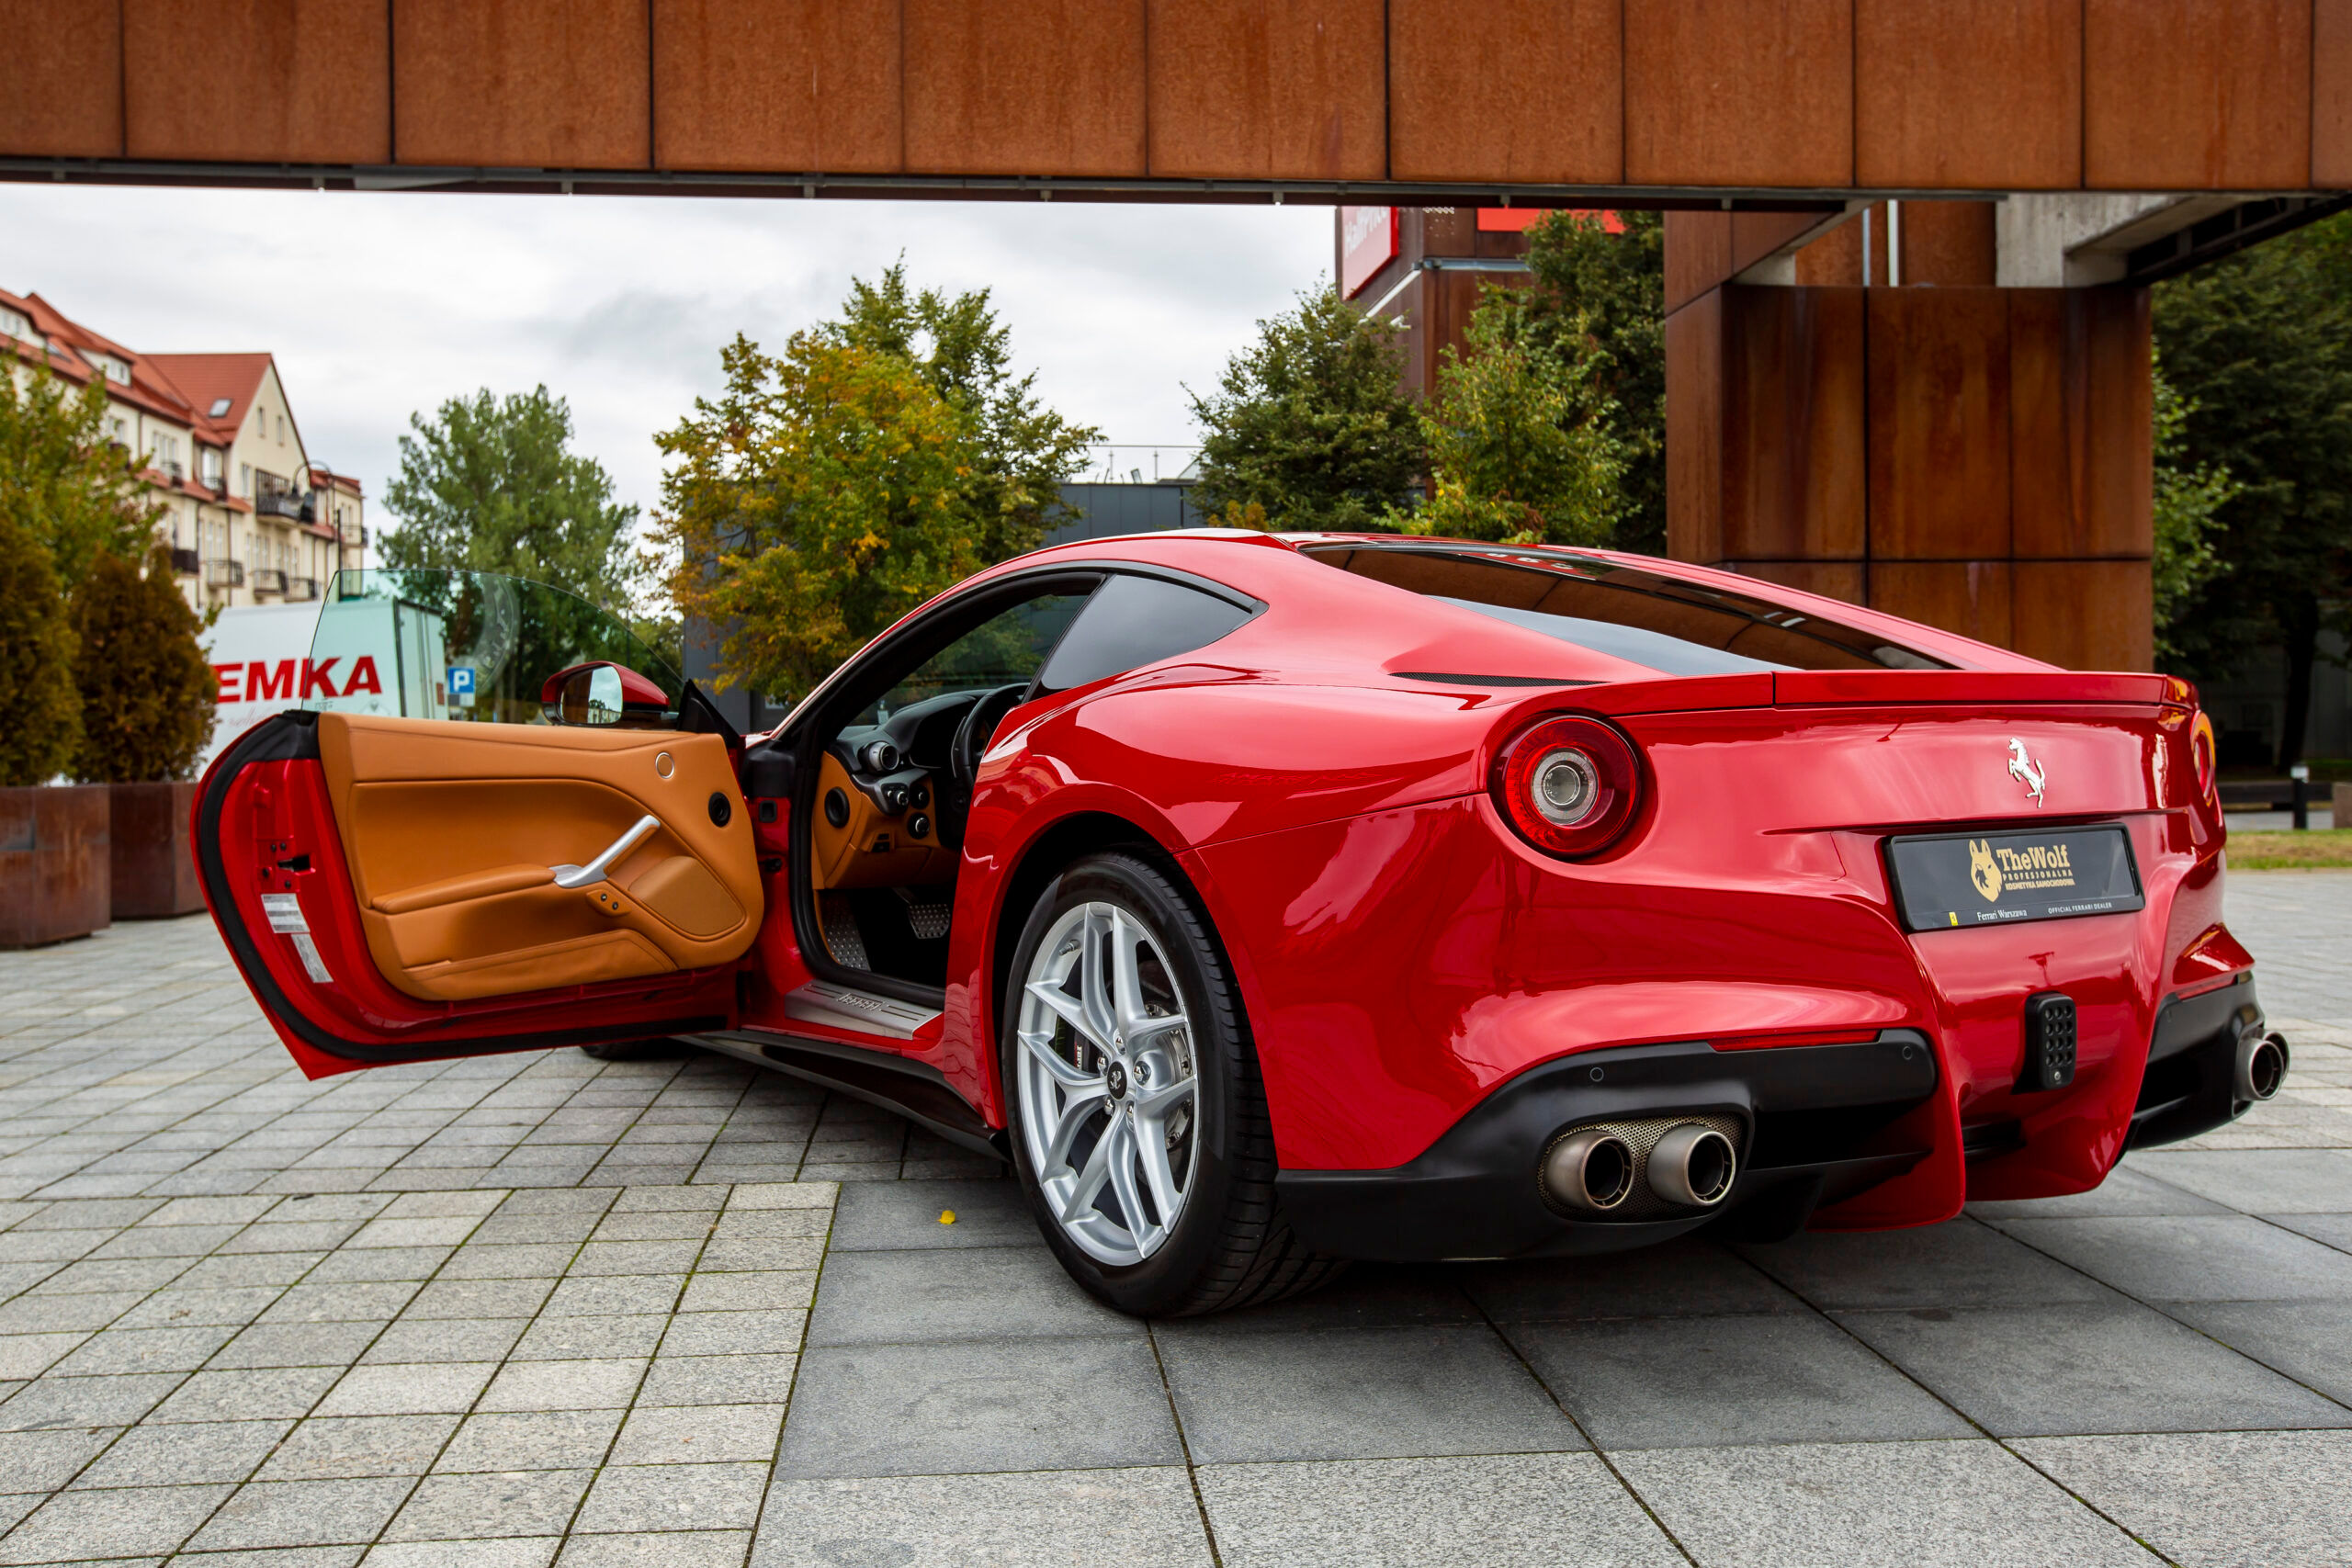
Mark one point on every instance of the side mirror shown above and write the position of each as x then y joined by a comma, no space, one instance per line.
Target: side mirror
601,694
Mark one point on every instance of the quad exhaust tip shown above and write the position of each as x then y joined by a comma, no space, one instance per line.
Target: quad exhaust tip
1594,1169
1692,1165
2261,1064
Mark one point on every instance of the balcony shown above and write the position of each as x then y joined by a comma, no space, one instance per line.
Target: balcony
356,534
298,589
268,580
186,563
282,503
224,573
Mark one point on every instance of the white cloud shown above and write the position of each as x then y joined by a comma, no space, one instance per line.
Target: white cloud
378,305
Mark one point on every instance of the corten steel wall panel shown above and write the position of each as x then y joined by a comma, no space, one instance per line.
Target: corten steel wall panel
1739,92
1939,424
1755,235
1026,87
72,49
2082,421
1972,598
1794,424
265,81
1506,90
1834,260
793,85
1982,95
528,84
1698,255
2197,95
1948,244
1830,578
1258,89
2332,94
1694,430
2084,615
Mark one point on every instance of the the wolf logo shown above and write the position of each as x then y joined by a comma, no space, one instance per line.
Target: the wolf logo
1982,868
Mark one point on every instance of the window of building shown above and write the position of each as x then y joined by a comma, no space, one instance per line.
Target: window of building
19,325
246,479
114,369
219,407
281,430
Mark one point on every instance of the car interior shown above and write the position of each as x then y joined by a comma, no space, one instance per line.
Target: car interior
899,751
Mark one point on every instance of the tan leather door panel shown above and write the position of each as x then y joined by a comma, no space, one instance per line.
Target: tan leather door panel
451,831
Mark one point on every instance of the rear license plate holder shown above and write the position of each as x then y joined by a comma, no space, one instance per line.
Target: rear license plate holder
2013,875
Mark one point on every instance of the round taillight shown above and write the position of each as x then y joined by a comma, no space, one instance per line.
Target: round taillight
2201,751
1570,785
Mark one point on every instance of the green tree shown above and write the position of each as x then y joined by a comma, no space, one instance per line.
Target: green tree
1520,445
959,348
147,694
2260,348
2188,498
823,494
62,481
488,484
1310,427
44,725
1591,290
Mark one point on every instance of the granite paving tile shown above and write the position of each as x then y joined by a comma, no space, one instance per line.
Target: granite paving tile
2084,1368
1932,1504
2250,1499
1356,1394
1089,1518
962,1407
1702,1381
124,1522
1512,1513
191,1453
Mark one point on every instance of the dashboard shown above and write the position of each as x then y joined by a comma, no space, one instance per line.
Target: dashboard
882,792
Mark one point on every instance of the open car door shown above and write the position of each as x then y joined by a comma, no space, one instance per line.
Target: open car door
486,830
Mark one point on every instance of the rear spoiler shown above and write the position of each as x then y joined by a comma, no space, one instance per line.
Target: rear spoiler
1821,688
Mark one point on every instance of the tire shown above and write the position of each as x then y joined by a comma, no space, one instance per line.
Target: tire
1229,1244
627,1050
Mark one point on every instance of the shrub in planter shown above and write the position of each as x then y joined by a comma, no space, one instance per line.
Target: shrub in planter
53,872
147,710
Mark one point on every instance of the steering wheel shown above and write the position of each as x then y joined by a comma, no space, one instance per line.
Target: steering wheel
978,727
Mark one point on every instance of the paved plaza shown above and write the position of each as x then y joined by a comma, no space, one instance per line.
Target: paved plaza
538,1309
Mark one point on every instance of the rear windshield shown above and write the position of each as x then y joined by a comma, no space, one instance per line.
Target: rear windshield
1667,625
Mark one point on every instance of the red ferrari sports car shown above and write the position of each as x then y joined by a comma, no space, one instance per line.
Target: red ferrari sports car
1267,901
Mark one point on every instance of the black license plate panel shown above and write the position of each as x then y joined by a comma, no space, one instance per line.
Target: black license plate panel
1947,880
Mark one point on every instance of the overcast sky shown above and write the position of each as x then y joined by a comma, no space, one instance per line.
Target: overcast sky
380,304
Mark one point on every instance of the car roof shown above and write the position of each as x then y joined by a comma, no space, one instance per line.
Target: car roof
1282,567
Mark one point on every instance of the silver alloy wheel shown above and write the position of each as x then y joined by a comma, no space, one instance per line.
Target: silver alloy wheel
1107,1083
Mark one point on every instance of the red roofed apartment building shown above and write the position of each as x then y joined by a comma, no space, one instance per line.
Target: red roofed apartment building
251,519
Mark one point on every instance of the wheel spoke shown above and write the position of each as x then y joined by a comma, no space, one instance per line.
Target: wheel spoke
1126,981
1157,1103
1073,1079
1089,1181
1151,1149
1122,1135
1074,1114
1097,961
1070,1011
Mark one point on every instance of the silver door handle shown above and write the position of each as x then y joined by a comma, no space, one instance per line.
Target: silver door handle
593,871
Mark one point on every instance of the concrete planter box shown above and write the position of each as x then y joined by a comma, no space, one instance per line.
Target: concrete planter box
55,880
154,860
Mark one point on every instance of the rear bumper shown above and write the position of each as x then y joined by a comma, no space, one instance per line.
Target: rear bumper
2191,1084
1819,1123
